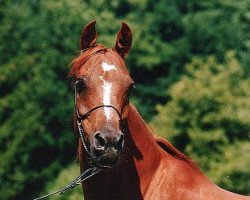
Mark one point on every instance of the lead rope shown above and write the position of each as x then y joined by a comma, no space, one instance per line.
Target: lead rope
84,176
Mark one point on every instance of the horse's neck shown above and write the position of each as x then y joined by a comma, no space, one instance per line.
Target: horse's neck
145,149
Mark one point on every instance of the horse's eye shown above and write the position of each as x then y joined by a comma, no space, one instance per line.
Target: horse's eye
133,86
80,86
130,89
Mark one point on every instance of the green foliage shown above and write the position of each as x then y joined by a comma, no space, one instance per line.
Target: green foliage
166,34
208,117
232,172
39,38
172,32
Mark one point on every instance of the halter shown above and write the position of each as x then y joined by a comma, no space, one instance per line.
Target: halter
80,119
91,171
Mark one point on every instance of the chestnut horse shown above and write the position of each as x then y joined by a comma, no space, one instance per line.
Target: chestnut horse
135,163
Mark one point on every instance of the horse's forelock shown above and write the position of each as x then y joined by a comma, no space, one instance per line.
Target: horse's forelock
81,59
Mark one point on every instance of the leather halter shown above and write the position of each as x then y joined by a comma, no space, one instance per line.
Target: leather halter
88,173
80,118
93,170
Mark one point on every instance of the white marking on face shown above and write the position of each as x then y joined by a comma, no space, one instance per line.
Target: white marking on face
107,67
101,77
106,97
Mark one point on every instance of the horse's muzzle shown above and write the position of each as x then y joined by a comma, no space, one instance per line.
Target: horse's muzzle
106,148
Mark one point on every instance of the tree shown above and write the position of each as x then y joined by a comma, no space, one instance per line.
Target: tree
208,118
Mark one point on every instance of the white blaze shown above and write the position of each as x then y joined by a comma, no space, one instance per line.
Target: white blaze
107,67
106,98
107,88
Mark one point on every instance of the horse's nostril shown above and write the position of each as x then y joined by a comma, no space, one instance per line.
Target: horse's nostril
99,141
120,142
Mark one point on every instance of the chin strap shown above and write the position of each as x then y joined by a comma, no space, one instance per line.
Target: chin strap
81,133
84,176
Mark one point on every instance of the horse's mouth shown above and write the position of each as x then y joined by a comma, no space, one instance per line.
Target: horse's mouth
107,158
104,162
100,166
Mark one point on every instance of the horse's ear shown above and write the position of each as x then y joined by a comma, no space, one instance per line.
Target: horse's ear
88,36
123,40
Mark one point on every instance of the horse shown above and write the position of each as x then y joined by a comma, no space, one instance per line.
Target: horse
135,164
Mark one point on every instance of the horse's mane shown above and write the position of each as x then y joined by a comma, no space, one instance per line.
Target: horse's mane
161,142
77,63
169,148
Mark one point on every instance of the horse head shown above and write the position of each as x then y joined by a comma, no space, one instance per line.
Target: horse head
102,87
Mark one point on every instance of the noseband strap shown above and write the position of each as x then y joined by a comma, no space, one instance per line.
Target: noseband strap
82,117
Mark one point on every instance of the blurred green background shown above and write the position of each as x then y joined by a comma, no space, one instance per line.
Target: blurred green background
190,60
